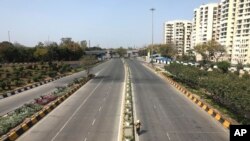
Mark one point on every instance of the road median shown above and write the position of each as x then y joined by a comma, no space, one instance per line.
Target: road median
128,116
24,126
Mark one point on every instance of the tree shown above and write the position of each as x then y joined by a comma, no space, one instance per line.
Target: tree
88,61
4,47
166,50
239,66
142,52
121,51
41,53
53,52
223,66
71,48
201,49
215,50
185,57
210,50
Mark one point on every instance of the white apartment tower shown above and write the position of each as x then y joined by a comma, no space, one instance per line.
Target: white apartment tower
227,22
178,33
206,23
227,25
241,38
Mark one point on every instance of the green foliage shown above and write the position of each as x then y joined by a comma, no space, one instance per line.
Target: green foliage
15,118
226,89
64,68
210,50
17,82
67,51
166,50
3,85
52,73
143,52
121,51
87,62
223,66
239,66
186,58
41,53
35,79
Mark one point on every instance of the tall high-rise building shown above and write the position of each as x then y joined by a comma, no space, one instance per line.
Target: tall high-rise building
178,33
228,23
206,23
241,34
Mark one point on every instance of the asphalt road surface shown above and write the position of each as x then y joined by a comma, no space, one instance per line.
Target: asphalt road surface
91,114
166,114
10,103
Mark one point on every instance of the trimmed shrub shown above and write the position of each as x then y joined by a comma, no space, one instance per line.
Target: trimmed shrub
226,89
52,73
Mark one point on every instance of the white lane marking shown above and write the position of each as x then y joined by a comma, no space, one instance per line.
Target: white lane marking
154,106
104,98
99,72
168,136
85,139
93,122
76,111
100,109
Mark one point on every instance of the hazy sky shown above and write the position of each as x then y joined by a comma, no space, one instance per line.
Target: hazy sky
109,23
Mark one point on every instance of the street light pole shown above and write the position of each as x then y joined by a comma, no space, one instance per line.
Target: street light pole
152,44
152,9
9,35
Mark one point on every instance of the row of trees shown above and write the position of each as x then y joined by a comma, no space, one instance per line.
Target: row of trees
210,51
67,50
226,89
166,50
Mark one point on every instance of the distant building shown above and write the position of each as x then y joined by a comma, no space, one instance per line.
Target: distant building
178,33
66,40
206,23
228,23
132,53
100,54
237,26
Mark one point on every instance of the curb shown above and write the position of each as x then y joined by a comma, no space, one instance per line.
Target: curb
212,112
35,118
128,115
31,86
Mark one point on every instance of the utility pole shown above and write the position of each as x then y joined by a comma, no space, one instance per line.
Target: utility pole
152,10
89,43
152,44
9,35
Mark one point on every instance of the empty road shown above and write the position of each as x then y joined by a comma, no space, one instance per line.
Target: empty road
166,114
91,114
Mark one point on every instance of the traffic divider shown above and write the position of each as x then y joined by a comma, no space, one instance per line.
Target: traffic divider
35,118
19,90
128,116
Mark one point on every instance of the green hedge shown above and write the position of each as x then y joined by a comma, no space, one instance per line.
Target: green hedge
227,89
15,118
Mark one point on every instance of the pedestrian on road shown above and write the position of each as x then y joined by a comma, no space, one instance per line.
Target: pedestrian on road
138,126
